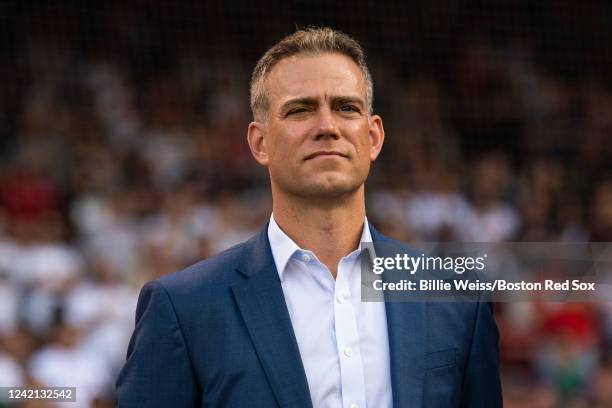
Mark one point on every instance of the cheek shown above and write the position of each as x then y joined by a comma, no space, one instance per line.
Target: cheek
288,143
361,138
298,131
284,146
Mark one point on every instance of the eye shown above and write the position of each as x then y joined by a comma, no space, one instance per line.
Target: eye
349,108
297,111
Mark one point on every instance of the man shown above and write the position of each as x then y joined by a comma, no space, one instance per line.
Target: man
278,321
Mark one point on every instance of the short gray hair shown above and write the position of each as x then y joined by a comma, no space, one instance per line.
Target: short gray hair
312,40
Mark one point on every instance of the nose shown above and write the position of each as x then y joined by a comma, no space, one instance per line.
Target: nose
326,125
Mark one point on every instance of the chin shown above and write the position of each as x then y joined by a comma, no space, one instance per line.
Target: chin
331,188
322,185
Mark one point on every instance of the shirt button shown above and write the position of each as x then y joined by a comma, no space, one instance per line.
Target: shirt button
348,352
354,406
340,299
306,258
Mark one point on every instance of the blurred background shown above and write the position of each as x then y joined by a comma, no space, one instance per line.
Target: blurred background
123,157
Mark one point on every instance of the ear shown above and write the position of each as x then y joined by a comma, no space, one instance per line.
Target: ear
257,142
377,136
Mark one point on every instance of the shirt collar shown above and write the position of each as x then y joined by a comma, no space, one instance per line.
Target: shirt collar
284,247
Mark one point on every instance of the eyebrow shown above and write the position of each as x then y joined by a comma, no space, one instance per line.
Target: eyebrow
335,100
299,101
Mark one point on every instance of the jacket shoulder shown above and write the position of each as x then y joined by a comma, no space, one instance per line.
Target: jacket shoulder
218,270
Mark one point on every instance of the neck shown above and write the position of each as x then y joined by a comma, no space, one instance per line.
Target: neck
331,228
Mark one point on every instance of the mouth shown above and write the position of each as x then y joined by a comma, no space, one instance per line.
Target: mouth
324,153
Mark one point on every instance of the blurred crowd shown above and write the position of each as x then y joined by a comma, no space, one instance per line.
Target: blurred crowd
111,176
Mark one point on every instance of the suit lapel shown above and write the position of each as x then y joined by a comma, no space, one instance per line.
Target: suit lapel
406,327
262,305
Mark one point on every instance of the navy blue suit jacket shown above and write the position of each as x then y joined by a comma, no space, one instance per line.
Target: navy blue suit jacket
218,334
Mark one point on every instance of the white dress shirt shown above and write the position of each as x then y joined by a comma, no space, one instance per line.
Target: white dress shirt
343,342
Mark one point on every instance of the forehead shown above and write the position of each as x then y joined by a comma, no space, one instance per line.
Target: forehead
319,75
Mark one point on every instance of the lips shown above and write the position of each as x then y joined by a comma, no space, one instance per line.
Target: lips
324,153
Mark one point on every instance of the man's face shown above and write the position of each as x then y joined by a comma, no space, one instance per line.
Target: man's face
318,139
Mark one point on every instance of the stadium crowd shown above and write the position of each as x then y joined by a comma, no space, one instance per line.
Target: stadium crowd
110,178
